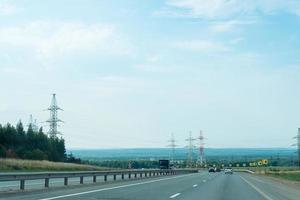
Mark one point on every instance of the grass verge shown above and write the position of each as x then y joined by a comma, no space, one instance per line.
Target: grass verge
287,175
13,165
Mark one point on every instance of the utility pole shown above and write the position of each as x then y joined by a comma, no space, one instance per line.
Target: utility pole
190,147
298,146
53,120
172,145
201,158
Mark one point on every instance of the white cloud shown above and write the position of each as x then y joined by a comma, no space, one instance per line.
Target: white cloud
52,39
153,58
204,46
7,8
228,26
227,8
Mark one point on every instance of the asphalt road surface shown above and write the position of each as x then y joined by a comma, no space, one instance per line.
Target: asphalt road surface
199,186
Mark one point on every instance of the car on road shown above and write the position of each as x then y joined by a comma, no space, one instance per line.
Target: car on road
228,171
218,169
211,169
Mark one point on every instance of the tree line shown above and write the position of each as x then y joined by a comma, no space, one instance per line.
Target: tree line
123,164
16,142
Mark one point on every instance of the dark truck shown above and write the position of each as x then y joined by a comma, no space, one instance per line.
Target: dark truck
164,164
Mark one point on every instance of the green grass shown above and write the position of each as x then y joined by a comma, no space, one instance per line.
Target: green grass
287,175
13,165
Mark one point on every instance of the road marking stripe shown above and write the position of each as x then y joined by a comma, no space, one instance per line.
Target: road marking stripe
116,187
195,185
257,189
175,195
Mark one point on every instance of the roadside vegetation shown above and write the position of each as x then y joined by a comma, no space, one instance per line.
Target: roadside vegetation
286,173
33,150
32,144
12,165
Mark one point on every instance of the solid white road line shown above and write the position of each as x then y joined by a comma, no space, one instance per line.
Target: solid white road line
257,189
175,195
116,187
195,185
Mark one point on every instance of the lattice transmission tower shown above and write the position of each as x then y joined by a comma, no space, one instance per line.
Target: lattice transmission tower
190,148
172,145
33,124
53,120
201,158
298,146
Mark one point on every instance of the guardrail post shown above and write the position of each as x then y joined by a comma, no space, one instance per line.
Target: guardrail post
105,177
129,176
115,177
66,181
94,179
81,179
22,184
46,182
122,176
135,175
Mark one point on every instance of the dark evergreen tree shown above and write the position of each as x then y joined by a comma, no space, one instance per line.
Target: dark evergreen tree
16,143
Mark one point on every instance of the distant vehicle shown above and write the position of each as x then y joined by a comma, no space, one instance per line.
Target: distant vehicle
211,169
218,169
164,164
228,171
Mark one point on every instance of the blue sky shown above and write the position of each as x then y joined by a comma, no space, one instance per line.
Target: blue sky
129,73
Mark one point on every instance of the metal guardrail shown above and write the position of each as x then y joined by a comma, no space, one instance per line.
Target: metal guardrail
22,177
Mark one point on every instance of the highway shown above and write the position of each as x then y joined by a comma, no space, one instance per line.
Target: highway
197,186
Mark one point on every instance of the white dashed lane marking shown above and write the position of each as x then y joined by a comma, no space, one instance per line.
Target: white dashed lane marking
174,195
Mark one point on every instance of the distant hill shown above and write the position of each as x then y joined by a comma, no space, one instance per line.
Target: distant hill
181,153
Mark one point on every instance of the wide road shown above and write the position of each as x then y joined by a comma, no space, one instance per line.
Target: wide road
199,186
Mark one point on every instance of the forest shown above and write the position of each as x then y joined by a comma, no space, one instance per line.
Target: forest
16,142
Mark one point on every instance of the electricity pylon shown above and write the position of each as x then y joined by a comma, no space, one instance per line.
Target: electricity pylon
298,146
33,124
190,147
172,145
201,158
53,120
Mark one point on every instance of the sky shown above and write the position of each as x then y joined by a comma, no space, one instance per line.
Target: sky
129,73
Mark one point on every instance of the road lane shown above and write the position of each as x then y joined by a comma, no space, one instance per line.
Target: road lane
275,190
199,186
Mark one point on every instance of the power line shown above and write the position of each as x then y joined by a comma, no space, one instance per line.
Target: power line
53,120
